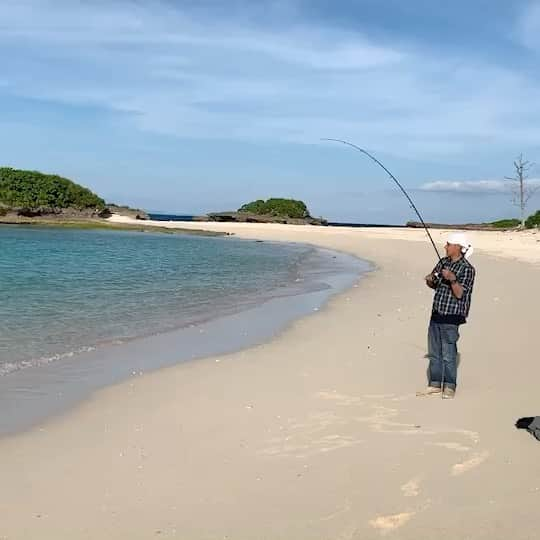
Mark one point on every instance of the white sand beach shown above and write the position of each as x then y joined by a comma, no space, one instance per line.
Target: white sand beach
318,434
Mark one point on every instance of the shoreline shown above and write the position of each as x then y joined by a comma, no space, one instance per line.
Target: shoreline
36,394
101,224
314,435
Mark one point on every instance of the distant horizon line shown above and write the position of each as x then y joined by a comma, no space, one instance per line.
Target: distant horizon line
342,223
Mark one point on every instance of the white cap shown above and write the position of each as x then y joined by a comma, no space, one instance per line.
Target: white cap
460,239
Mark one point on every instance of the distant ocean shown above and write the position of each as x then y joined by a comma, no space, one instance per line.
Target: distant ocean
177,217
171,217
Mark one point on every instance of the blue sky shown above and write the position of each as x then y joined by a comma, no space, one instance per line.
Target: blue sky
198,106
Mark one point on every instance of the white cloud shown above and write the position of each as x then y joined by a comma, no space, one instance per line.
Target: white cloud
477,186
169,71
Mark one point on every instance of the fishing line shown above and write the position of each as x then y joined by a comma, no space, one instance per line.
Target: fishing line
413,206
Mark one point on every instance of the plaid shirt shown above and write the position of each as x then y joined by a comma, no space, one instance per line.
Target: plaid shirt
445,303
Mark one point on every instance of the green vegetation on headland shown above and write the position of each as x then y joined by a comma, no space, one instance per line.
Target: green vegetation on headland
271,211
505,223
277,207
34,194
34,191
533,220
530,223
501,224
46,200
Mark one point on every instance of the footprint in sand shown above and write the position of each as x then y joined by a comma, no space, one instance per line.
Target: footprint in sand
382,420
452,446
388,397
386,524
342,399
411,488
343,510
465,466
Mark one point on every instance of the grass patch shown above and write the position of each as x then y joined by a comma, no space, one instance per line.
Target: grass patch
103,225
506,223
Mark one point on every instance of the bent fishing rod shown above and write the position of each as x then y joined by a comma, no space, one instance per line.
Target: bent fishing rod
413,206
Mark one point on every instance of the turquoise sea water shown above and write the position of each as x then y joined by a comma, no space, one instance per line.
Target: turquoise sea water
67,291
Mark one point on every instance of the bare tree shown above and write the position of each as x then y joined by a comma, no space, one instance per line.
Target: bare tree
522,191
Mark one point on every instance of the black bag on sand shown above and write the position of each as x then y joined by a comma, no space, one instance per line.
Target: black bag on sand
531,424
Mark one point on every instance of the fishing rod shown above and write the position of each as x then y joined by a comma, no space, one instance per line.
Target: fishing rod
413,206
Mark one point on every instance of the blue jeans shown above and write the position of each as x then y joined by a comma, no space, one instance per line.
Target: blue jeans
442,353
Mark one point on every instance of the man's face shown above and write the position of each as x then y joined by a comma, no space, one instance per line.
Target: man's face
453,250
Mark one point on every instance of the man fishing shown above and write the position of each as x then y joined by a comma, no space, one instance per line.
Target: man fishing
453,281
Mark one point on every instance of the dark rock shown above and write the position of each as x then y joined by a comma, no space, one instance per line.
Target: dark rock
463,227
134,213
60,213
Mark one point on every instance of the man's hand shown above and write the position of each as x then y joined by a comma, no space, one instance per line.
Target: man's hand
448,275
457,288
430,281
